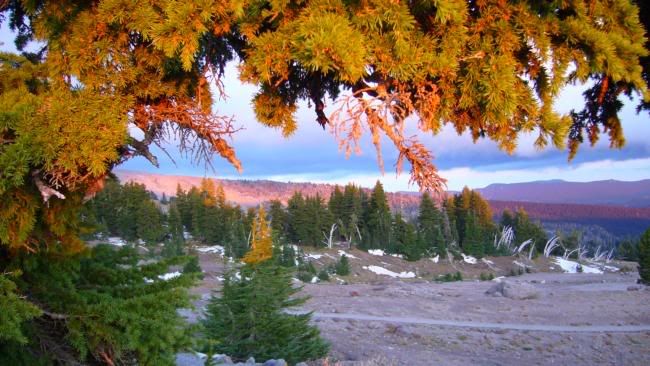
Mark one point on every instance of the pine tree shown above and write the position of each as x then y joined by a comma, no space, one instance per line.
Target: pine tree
405,239
473,244
378,220
248,319
644,258
278,218
430,226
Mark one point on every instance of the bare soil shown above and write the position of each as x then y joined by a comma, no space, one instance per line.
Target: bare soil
365,316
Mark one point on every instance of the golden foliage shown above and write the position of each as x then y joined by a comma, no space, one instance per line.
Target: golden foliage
261,240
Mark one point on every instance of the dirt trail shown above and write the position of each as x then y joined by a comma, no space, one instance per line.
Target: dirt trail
481,325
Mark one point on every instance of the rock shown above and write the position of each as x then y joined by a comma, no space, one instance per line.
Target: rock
633,288
188,359
221,359
515,291
279,362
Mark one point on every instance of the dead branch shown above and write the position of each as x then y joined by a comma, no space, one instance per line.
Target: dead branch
46,191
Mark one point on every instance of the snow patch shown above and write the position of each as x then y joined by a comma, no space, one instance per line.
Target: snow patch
164,277
169,276
117,241
187,235
435,259
218,249
315,256
486,261
314,279
343,253
383,271
377,252
571,266
468,259
397,256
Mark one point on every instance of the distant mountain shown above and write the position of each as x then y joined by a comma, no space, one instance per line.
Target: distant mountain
615,206
253,192
618,220
605,192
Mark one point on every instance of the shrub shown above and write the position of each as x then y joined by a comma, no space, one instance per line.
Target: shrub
342,267
644,258
323,275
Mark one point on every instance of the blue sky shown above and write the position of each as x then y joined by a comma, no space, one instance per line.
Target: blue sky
312,154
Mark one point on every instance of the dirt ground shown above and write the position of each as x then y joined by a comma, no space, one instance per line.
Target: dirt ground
374,316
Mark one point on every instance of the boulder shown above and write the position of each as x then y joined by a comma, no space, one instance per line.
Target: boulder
512,290
279,362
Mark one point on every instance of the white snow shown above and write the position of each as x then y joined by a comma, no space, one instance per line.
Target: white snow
117,241
314,279
164,277
377,252
435,259
486,261
383,271
611,268
397,256
571,266
187,235
218,249
169,276
315,256
141,242
343,253
468,259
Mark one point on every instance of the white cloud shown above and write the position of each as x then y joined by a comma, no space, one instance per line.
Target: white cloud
628,170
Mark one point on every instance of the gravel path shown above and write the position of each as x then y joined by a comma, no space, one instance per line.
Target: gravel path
480,325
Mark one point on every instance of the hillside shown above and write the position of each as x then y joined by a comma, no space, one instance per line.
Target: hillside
617,220
606,192
250,193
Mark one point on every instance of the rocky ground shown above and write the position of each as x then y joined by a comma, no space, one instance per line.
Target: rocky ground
547,317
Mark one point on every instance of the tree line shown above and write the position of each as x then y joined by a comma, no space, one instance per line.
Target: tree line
349,216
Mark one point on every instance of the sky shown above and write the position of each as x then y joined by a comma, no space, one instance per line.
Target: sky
312,154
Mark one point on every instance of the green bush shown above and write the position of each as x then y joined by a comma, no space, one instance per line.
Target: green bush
644,258
342,267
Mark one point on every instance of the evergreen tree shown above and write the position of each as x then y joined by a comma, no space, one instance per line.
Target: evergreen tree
644,258
507,218
628,250
474,240
405,239
278,215
248,319
342,267
526,229
297,217
378,220
430,226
